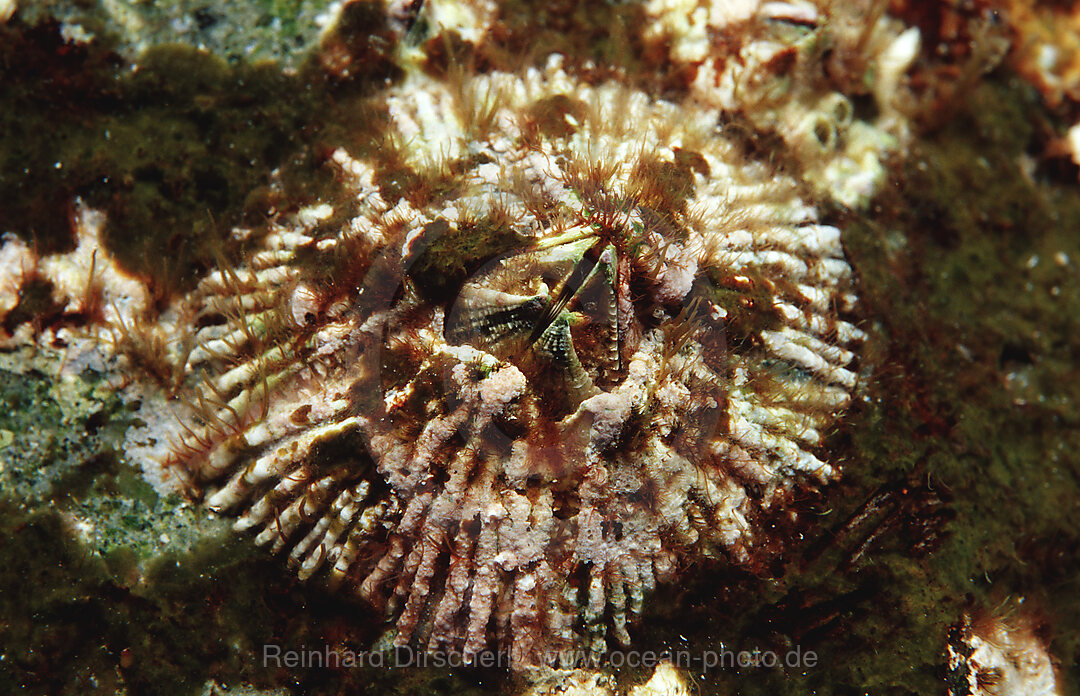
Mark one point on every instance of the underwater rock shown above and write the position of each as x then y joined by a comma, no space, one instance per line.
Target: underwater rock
567,338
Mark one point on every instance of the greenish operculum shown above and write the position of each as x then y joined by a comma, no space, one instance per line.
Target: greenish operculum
556,346
493,320
553,311
596,299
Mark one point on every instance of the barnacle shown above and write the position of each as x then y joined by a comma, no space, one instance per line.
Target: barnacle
507,443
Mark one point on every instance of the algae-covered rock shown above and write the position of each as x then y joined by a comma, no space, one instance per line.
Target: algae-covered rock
959,498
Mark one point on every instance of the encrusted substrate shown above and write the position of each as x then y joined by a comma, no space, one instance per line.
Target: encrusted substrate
282,30
766,62
960,447
565,337
589,340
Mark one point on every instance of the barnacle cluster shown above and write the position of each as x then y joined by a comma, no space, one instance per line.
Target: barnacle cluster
569,336
1000,653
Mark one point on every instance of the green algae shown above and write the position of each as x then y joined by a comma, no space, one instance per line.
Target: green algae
974,350
175,152
58,430
283,31
84,622
109,588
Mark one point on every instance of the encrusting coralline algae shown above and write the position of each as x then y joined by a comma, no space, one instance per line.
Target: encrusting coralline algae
570,336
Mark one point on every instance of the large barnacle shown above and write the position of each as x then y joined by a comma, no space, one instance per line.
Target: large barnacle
508,445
